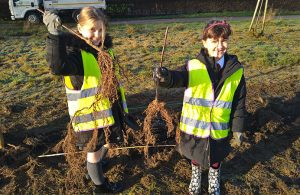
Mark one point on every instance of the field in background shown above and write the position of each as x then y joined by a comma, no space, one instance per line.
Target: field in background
34,115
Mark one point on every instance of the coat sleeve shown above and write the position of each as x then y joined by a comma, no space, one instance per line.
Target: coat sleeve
179,78
239,114
61,59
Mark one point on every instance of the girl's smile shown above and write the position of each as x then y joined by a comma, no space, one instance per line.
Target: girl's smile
92,31
216,47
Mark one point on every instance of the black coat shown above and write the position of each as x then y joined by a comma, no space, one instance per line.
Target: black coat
207,151
64,58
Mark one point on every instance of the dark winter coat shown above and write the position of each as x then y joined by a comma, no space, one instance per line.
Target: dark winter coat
64,58
207,151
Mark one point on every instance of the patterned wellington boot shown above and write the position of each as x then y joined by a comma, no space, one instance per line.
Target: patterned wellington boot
195,185
214,181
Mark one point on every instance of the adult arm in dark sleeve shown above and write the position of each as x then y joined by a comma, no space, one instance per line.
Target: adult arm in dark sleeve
239,114
62,60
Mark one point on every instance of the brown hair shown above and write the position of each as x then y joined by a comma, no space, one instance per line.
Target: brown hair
93,15
216,29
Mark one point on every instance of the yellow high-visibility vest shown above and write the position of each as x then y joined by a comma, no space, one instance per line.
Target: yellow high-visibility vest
204,115
89,115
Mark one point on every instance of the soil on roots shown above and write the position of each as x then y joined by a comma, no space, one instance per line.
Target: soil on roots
75,160
155,109
109,81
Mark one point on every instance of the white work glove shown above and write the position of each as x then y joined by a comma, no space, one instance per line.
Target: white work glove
52,22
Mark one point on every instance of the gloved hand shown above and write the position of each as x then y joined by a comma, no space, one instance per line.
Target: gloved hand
237,139
52,22
161,76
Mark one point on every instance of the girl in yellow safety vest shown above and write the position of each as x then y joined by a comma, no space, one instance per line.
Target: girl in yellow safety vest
72,58
213,104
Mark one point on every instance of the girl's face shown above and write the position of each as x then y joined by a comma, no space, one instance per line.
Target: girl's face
216,47
91,31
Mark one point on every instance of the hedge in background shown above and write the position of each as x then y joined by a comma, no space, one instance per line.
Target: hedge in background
166,7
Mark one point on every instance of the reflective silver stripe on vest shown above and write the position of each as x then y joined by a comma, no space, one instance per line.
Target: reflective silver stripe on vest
223,104
207,103
204,125
93,116
83,94
219,126
124,106
197,101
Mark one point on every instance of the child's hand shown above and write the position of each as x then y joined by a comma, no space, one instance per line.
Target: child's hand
161,75
52,22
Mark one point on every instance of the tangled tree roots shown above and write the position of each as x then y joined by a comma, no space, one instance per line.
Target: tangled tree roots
76,171
155,159
154,108
109,82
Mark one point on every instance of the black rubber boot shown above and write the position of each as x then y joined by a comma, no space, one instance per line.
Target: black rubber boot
107,188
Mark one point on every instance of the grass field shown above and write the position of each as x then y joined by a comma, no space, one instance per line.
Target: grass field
33,114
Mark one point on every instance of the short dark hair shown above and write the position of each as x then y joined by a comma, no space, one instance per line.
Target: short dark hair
216,29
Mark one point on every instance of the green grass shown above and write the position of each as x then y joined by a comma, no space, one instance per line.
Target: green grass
24,75
139,48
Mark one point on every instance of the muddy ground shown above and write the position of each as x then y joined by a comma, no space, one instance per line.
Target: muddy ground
267,162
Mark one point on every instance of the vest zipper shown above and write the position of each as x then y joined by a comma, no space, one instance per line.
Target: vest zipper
210,125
